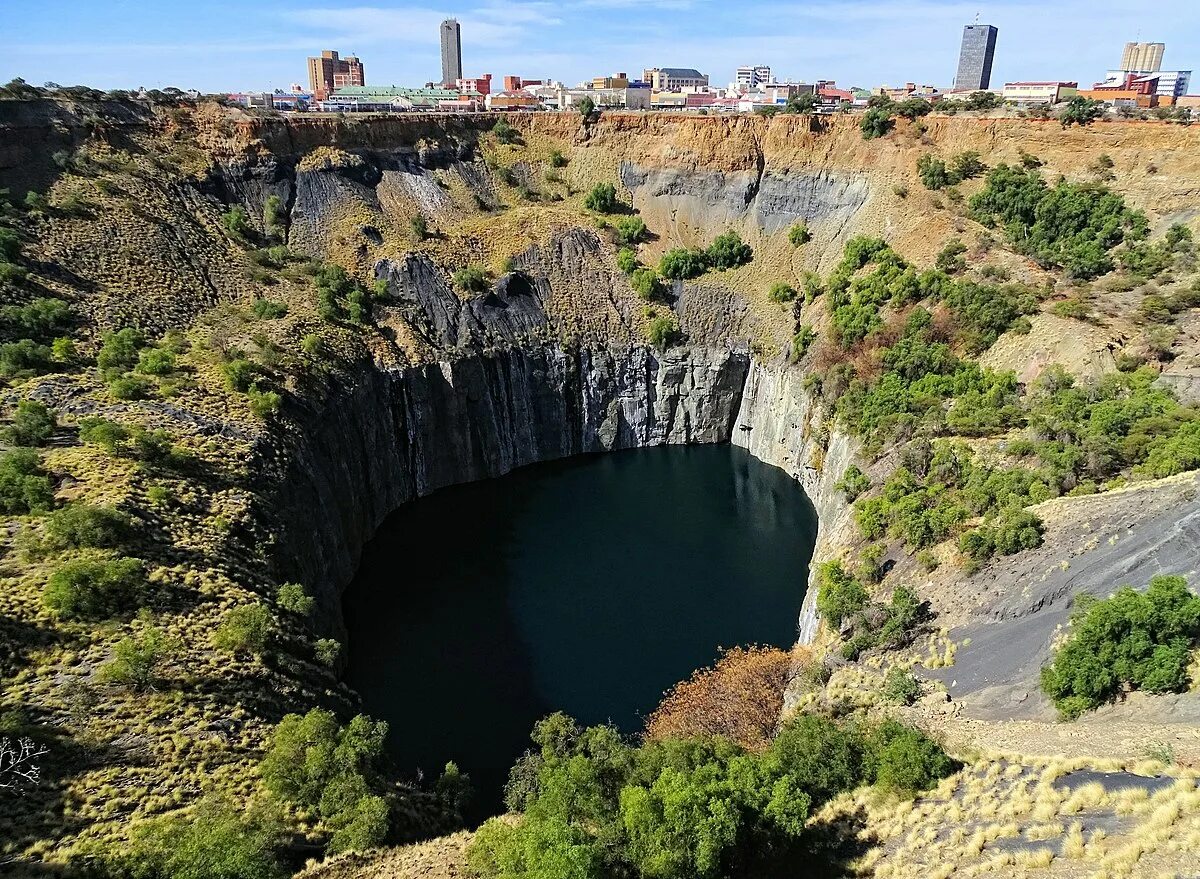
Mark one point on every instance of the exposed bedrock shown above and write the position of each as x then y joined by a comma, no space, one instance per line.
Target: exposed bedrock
773,200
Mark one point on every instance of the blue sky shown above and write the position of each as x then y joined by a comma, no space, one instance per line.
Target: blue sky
223,46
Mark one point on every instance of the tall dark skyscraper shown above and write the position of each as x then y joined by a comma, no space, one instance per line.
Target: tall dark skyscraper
451,53
975,59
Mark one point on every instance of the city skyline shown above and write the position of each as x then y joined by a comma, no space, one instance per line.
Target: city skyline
865,42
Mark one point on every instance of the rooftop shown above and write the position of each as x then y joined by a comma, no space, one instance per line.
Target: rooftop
391,91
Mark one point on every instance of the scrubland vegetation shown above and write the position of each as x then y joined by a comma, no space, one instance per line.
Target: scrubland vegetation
1134,640
595,805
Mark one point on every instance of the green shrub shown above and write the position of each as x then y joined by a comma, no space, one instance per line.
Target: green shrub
24,486
83,526
683,263
933,172
966,165
239,373
138,659
292,597
41,320
876,122
213,840
273,218
950,258
906,760
900,687
312,345
32,424
263,403
1081,111
313,762
647,285
10,244
557,159
801,341
360,826
781,291
1072,225
156,361
244,629
236,221
839,595
505,133
129,387
799,234
119,350
728,251
627,260
267,309
11,275
473,279
24,358
327,651
419,227
94,588
602,198
1140,641
663,332
102,432
630,230
594,805
853,482
1011,532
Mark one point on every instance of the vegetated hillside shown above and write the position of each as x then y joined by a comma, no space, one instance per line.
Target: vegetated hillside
233,343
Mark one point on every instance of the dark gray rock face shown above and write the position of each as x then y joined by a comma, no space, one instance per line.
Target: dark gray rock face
717,199
512,310
395,436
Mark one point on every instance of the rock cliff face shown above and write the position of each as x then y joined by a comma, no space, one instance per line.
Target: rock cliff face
396,435
778,423
710,202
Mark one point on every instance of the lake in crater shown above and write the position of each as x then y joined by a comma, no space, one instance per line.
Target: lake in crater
588,585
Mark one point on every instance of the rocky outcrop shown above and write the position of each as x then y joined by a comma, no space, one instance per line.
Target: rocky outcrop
779,422
394,436
711,201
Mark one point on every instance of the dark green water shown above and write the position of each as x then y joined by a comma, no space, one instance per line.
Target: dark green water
589,585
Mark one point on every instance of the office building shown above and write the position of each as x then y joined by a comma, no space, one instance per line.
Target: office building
673,79
616,81
479,84
1039,92
1163,83
451,53
1144,57
328,72
751,76
975,57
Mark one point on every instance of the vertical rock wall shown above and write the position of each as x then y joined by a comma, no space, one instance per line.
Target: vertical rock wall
778,423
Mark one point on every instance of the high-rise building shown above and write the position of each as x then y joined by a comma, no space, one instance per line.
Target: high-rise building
750,76
975,58
451,52
1143,57
329,72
